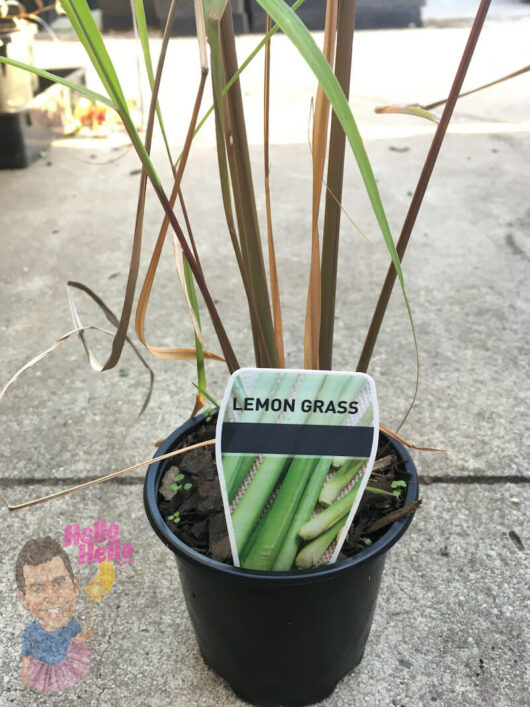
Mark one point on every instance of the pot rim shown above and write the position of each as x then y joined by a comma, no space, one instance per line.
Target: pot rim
152,482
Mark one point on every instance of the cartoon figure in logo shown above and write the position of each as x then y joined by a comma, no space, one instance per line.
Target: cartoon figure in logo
55,654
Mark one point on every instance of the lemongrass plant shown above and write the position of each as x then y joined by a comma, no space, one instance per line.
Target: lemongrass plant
334,131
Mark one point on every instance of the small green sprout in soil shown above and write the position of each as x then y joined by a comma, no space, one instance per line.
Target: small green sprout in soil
211,413
398,487
177,486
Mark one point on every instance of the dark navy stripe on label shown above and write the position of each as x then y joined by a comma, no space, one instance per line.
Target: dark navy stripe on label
317,440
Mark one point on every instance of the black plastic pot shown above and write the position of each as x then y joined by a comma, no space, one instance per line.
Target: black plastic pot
278,638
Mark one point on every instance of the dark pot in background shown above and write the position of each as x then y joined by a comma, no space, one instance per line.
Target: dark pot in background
27,132
312,13
278,638
117,14
184,23
388,14
369,14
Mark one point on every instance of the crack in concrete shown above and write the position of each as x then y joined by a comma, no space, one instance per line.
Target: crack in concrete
13,482
484,479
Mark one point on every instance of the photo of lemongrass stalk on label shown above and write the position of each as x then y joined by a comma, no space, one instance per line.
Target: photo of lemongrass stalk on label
294,452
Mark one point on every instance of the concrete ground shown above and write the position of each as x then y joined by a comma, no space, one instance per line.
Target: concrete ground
450,624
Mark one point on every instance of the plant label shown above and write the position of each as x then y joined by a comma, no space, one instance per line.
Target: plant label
294,451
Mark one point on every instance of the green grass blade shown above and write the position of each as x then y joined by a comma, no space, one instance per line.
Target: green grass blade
408,110
141,24
93,95
89,35
205,393
215,9
80,16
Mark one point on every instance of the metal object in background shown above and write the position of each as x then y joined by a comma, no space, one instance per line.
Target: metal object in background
16,42
28,130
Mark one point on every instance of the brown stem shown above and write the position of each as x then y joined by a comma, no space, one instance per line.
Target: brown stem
332,213
226,347
273,270
244,190
224,342
225,159
189,229
132,278
196,269
421,187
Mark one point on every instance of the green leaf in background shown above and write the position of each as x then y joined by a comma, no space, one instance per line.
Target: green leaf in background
80,16
141,24
93,95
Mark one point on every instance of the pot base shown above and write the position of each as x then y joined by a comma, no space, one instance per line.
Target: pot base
300,701
279,638
282,642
